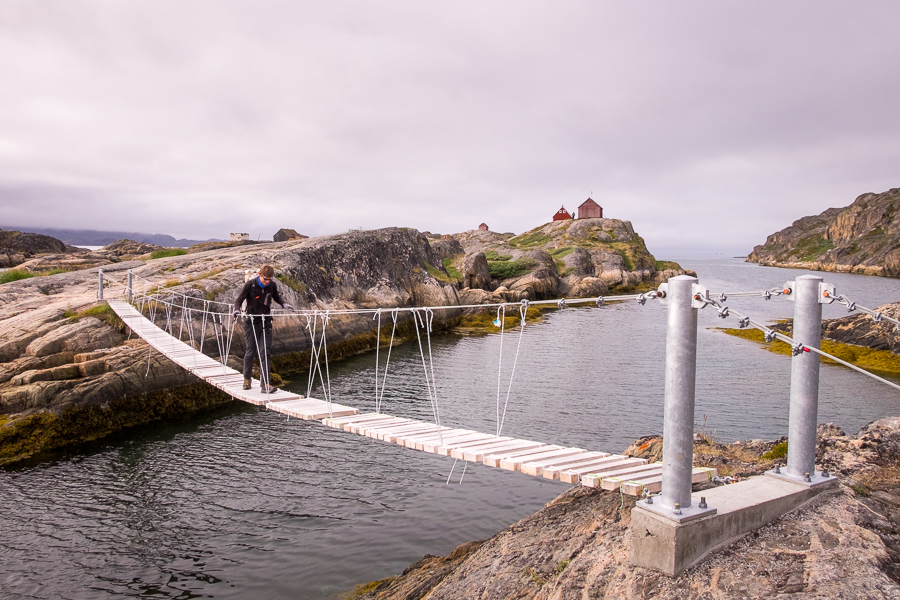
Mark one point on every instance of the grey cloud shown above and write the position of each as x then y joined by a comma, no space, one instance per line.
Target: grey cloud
709,125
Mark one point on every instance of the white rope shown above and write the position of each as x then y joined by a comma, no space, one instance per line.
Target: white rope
432,390
380,399
377,354
523,311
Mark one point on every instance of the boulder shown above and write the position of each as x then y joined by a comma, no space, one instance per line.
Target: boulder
475,272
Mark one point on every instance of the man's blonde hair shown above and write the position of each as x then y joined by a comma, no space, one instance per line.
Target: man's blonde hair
267,271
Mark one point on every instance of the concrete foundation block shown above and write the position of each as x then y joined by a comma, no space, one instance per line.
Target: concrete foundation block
671,546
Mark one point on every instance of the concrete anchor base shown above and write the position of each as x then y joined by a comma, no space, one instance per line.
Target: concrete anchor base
671,546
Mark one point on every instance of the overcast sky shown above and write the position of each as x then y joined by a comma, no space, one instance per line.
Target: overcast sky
708,125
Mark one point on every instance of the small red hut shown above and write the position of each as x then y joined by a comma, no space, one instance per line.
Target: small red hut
483,227
562,214
590,210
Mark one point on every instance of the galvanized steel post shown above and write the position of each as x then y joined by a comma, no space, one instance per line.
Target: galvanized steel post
128,286
100,288
805,377
681,370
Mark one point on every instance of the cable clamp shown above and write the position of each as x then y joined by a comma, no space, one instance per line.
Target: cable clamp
723,312
769,335
561,304
641,299
600,301
767,295
743,322
851,306
722,297
876,318
797,349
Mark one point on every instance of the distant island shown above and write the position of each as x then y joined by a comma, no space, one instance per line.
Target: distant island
861,238
93,237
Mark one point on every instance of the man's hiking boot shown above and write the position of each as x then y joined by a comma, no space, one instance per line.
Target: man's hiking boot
246,384
268,389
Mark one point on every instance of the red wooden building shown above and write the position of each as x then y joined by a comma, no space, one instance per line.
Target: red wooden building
562,214
590,210
483,227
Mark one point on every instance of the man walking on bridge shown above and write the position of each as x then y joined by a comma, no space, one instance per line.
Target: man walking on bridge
259,292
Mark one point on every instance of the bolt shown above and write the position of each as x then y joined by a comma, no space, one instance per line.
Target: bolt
806,477
649,499
825,473
677,510
777,470
703,502
787,290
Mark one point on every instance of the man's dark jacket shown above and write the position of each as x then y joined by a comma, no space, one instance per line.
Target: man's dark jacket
259,298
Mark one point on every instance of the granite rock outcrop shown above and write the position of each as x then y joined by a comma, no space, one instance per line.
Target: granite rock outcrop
861,238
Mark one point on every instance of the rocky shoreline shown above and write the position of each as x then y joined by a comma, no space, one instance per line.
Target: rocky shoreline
845,544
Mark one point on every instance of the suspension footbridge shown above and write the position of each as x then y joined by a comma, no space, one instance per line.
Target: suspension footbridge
184,313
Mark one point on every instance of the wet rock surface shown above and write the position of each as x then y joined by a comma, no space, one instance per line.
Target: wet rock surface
861,238
841,545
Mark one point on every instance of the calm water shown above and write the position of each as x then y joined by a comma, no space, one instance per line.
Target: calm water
242,503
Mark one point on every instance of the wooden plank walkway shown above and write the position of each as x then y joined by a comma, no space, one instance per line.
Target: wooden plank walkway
221,376
570,465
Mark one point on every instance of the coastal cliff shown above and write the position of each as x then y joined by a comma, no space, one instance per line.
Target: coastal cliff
842,545
861,238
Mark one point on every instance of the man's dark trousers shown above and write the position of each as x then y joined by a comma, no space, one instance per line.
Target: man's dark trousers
258,335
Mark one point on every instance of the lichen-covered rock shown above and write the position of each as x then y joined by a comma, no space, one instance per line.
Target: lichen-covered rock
475,273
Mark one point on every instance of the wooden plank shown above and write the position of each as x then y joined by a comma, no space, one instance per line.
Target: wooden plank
514,464
418,427
493,459
635,487
536,468
455,435
589,458
448,446
339,422
478,454
596,479
393,436
375,430
439,445
363,427
371,428
576,475
479,443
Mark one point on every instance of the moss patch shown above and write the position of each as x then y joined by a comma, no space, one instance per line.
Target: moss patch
364,588
15,275
484,322
166,252
452,271
297,286
507,269
777,452
100,311
529,239
878,361
437,273
810,248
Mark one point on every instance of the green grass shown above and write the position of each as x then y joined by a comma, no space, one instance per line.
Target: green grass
436,273
297,286
507,269
100,311
810,248
778,451
561,252
15,275
662,265
166,252
530,239
452,271
493,255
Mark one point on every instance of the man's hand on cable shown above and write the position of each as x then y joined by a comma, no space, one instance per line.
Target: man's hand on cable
287,306
236,313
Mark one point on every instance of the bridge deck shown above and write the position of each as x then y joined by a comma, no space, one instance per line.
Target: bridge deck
570,465
221,376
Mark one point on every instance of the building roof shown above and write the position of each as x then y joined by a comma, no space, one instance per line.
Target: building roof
590,203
